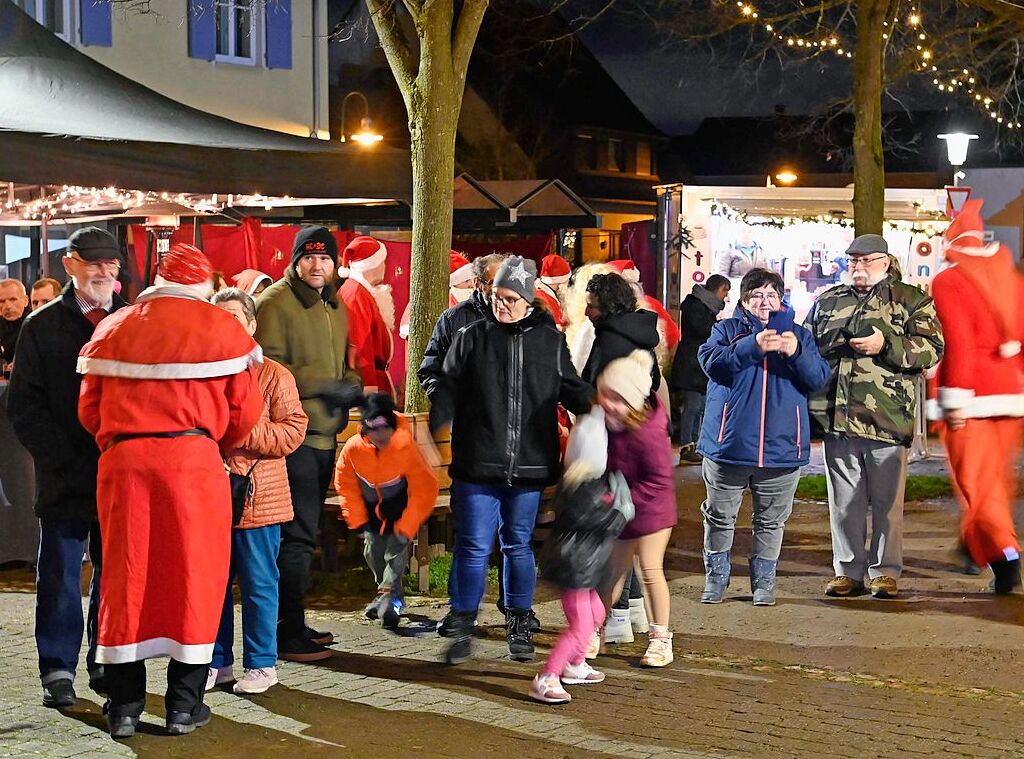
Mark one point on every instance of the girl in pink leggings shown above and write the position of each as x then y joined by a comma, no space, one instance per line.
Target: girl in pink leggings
591,509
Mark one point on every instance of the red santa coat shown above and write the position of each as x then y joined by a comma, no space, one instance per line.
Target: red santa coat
546,294
166,364
369,338
669,329
974,377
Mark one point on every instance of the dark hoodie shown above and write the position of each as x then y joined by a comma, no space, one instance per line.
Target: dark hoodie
617,337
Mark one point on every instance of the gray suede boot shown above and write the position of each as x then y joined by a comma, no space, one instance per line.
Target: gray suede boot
762,581
717,569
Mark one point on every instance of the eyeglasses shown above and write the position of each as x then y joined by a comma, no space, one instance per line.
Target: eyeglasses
507,302
108,263
764,297
865,261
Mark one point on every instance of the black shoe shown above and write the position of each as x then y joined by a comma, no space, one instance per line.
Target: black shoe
59,694
1007,576
392,614
460,633
302,650
183,723
447,623
122,726
373,609
534,623
519,635
320,638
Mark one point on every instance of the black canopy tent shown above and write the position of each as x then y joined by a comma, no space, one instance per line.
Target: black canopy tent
66,119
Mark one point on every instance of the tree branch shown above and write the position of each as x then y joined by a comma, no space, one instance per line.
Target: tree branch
464,37
397,48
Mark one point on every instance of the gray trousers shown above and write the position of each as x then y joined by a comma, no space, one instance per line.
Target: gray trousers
866,477
387,557
772,491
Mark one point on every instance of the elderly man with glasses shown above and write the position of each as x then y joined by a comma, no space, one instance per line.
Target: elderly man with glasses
878,335
43,407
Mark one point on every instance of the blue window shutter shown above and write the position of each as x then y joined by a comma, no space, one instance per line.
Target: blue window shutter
202,29
279,34
96,28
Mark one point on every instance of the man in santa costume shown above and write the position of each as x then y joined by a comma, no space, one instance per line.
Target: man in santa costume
169,389
980,389
667,328
554,275
461,285
371,312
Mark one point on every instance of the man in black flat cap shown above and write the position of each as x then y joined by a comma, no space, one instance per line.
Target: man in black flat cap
42,403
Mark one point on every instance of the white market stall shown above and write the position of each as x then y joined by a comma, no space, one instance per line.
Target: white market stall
800,232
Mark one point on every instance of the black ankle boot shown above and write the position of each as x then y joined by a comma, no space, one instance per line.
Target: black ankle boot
460,633
1007,576
519,634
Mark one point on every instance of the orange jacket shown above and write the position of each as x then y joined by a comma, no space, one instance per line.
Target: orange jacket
391,488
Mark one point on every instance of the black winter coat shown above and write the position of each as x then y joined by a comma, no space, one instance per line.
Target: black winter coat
576,552
618,336
42,403
696,322
503,383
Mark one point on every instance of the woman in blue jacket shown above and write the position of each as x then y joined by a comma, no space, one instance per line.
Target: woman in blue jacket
761,368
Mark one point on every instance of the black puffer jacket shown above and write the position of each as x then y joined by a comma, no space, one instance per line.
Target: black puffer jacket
503,384
431,369
42,403
576,552
618,336
696,322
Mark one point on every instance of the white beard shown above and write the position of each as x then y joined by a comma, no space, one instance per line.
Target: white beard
870,281
101,295
385,301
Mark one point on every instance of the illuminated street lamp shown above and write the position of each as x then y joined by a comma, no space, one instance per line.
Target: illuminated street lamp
365,135
956,150
786,176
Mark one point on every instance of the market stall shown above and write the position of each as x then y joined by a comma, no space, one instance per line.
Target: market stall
800,232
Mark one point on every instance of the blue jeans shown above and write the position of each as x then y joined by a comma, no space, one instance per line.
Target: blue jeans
254,562
59,624
480,511
692,411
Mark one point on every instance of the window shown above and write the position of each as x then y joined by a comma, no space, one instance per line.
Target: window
616,155
586,153
236,31
53,14
643,159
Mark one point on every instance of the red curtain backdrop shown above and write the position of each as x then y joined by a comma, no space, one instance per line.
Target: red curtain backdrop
534,248
637,246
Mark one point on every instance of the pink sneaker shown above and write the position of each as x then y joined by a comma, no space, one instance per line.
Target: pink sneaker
548,690
581,674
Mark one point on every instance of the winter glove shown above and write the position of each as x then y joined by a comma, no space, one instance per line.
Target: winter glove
340,396
622,499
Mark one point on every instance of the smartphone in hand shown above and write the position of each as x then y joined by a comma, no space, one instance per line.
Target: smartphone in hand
780,321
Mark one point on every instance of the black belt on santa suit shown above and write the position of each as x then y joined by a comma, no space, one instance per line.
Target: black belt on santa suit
195,432
381,366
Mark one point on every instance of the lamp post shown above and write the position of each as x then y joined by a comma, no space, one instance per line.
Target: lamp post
957,144
365,135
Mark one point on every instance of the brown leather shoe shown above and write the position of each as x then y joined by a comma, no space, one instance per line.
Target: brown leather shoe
883,587
843,586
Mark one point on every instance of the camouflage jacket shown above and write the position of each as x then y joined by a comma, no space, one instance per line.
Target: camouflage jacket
873,397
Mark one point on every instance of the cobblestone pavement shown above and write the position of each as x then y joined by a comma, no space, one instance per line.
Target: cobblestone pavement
934,672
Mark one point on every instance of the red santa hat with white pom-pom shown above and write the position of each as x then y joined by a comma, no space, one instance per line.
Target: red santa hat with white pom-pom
187,268
991,267
626,269
554,270
363,253
460,270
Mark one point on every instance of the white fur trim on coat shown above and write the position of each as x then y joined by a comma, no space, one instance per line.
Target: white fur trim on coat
954,398
1009,349
105,367
554,281
979,406
186,653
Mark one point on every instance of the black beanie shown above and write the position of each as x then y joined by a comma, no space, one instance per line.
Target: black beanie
379,411
312,240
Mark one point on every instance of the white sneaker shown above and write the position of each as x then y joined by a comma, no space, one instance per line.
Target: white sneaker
638,615
548,690
659,652
256,681
617,628
581,674
596,644
219,676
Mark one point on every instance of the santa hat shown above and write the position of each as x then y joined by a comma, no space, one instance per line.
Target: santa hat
186,267
362,254
554,270
990,267
626,269
459,269
630,377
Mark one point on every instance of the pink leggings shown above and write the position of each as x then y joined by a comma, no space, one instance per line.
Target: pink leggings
585,612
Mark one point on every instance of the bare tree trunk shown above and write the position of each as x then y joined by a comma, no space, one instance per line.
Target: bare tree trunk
868,162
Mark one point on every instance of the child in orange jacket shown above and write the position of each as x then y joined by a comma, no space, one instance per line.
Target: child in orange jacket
388,491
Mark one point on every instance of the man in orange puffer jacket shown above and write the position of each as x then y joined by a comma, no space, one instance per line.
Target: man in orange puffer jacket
388,491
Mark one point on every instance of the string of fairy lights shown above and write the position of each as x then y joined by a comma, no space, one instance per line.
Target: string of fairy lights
964,82
927,227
